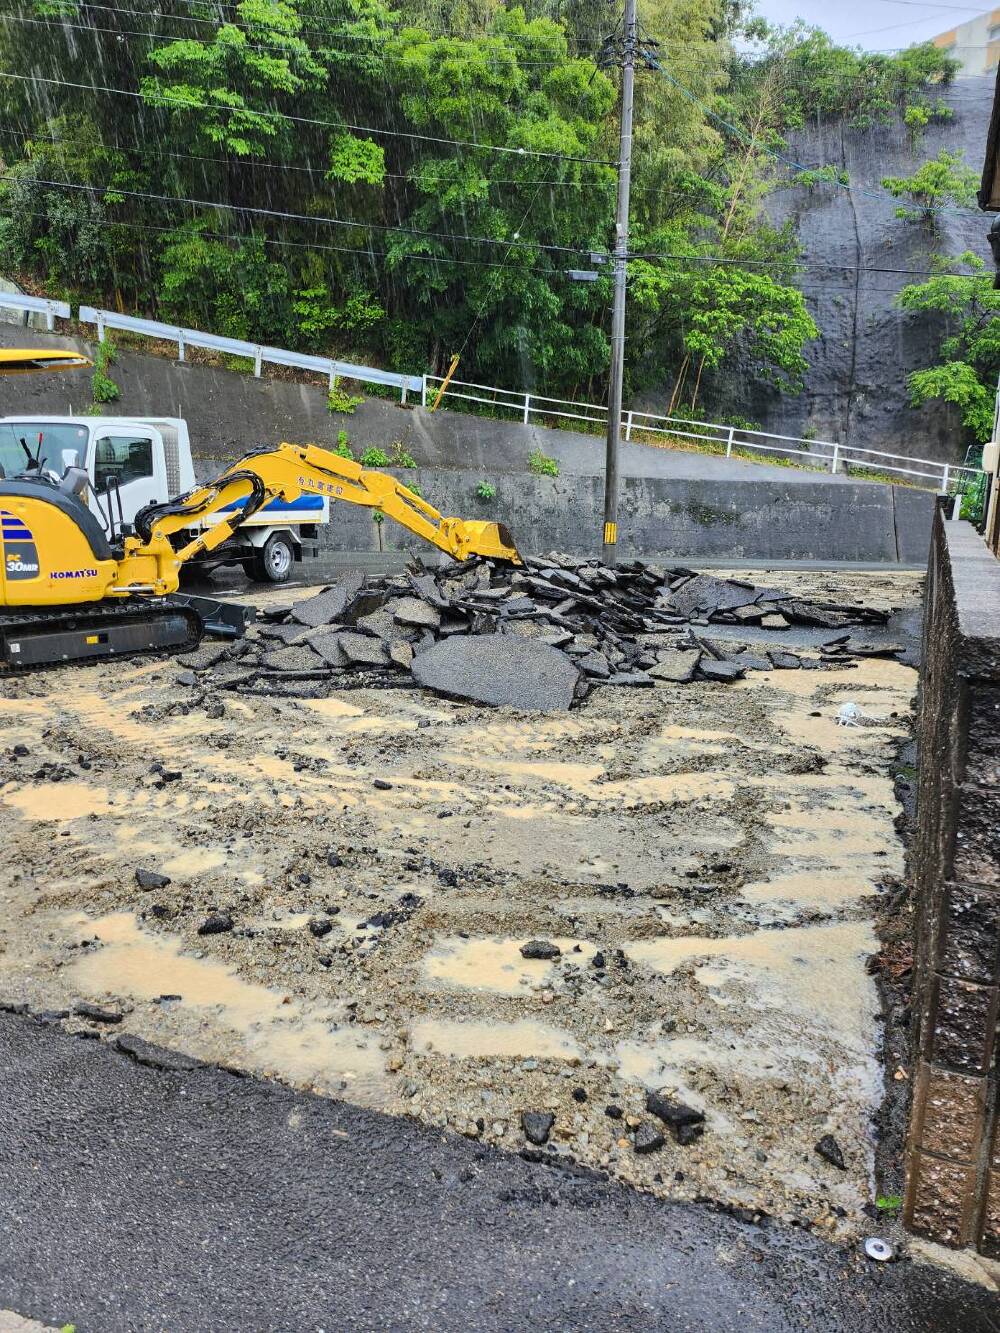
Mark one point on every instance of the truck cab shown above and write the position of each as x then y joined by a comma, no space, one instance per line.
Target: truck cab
136,461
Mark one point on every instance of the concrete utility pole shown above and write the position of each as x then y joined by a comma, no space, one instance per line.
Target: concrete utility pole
630,51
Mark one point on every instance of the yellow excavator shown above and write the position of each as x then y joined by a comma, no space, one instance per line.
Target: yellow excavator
68,591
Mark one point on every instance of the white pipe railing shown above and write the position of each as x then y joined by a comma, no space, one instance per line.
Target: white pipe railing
828,454
36,305
825,453
255,352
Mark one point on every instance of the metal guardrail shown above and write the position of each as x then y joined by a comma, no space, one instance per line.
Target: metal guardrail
36,305
255,352
826,454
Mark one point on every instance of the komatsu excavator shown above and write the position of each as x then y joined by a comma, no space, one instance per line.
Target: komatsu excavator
73,589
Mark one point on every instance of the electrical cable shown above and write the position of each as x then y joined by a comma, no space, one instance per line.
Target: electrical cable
318,219
187,105
107,224
161,39
283,166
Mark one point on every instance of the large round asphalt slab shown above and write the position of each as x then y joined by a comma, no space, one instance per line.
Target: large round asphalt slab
133,1199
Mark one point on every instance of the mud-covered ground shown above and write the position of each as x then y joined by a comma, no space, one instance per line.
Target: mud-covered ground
708,858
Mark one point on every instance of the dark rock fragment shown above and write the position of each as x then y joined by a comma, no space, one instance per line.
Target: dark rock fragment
544,949
648,1138
380,784
686,1123
785,661
319,927
150,879
537,1126
217,923
829,1149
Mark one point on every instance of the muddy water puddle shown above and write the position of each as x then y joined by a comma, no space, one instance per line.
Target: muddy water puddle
800,971
277,1035
496,964
488,1040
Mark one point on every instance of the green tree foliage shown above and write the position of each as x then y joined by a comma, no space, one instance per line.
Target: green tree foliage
819,78
285,171
224,91
941,182
966,308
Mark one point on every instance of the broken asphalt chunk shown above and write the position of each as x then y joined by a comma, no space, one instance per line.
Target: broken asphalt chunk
364,651
724,671
156,1057
329,605
96,1013
678,666
500,669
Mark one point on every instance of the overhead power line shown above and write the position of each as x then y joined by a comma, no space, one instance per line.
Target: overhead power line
256,162
162,39
185,104
107,225
319,220
932,4
717,260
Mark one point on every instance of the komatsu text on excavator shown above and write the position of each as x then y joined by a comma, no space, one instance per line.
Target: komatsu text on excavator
72,587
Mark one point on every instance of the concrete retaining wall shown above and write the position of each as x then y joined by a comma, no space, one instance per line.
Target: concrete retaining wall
662,517
953,1151
674,503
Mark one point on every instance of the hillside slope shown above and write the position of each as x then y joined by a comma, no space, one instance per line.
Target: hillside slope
855,390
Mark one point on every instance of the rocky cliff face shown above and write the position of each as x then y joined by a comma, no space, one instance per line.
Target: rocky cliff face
855,391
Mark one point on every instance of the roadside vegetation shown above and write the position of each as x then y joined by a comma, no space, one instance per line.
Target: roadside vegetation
308,175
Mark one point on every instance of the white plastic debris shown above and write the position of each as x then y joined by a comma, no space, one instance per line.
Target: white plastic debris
850,715
878,1249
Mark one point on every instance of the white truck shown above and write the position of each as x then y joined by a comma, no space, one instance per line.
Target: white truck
136,461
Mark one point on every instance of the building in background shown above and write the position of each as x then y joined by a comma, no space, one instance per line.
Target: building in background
976,44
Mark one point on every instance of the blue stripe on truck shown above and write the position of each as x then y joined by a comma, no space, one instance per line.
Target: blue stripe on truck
304,502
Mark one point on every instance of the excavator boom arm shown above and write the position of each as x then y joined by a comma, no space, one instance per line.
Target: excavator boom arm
285,473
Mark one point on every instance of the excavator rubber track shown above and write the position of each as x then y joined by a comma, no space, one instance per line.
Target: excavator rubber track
53,636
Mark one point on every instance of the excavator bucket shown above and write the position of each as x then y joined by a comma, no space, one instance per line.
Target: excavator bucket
491,540
22,361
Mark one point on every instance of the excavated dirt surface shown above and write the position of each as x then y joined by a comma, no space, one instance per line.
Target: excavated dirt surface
708,858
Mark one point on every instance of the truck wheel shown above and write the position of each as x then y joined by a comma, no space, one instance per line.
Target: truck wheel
273,562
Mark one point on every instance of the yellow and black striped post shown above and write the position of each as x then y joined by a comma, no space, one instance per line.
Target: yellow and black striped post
611,534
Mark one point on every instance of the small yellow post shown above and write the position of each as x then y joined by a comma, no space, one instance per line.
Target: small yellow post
444,383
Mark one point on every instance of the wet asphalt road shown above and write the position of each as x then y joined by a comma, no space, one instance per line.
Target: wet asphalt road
133,1198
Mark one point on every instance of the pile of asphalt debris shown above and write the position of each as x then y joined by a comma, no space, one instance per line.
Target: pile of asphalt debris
537,637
